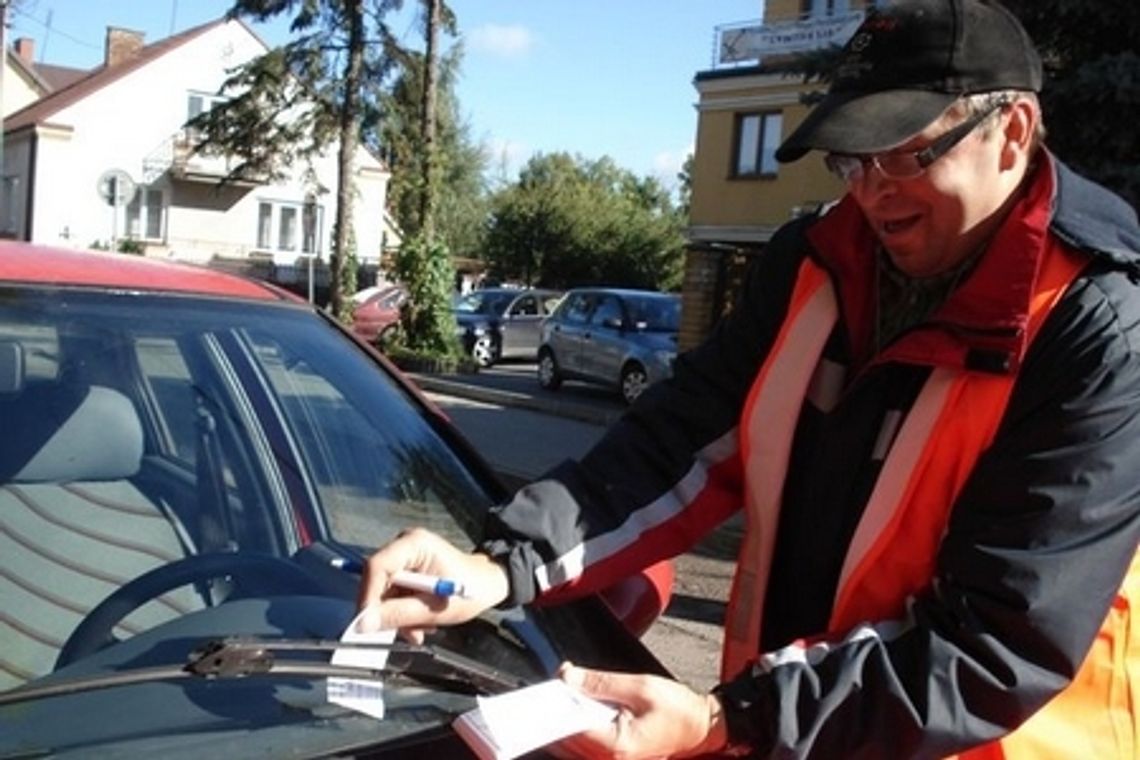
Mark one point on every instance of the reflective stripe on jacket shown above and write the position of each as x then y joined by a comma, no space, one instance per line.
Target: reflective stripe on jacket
892,553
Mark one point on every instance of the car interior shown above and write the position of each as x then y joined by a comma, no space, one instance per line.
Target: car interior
75,525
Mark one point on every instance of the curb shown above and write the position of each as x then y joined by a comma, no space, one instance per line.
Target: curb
567,409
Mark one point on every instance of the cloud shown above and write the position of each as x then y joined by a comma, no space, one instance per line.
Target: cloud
513,41
667,164
505,157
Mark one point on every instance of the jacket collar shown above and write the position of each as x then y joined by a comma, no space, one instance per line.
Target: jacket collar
982,325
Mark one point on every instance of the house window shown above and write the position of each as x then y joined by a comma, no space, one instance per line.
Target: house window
817,8
284,226
146,214
757,137
198,103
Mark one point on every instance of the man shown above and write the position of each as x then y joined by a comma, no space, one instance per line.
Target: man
927,401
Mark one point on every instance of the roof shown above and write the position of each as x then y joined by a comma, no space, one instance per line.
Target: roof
58,77
30,263
98,78
29,71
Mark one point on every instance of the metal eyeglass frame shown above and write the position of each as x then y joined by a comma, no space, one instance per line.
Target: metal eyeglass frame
906,164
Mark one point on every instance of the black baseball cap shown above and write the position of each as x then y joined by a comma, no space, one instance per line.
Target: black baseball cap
905,64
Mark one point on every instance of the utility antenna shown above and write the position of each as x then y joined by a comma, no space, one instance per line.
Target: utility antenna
173,15
47,35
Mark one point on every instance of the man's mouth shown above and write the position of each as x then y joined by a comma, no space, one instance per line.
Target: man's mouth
899,225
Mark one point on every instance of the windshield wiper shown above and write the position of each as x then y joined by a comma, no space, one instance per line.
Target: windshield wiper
243,657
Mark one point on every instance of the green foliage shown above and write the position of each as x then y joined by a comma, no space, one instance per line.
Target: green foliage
426,322
461,203
1091,97
122,245
568,221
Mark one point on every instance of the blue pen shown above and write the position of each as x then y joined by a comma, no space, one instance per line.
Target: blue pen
428,584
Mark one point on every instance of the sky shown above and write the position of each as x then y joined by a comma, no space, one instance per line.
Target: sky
590,77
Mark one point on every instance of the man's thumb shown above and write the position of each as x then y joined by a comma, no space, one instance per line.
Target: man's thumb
599,684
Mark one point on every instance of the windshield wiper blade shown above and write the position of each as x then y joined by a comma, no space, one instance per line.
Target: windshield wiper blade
238,656
242,657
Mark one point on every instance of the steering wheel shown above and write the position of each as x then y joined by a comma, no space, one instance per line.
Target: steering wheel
252,575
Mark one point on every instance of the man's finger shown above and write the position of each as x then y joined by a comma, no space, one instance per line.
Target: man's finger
618,688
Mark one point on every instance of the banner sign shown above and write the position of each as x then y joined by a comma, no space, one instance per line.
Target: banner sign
750,43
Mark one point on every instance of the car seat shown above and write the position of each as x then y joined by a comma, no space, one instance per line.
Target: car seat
73,527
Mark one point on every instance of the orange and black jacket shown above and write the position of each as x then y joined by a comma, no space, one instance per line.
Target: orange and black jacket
1028,564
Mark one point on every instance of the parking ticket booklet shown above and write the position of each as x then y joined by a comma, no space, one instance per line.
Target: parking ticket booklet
511,724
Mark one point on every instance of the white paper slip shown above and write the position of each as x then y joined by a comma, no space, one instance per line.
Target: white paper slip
508,725
354,693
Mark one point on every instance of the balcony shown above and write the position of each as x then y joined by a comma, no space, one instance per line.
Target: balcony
749,42
180,156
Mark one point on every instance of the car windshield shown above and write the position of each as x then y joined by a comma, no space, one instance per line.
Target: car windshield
655,313
251,447
483,302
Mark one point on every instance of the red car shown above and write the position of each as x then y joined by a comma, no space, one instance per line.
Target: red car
193,467
376,311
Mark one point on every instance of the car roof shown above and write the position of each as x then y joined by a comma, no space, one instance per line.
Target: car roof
512,291
45,265
626,292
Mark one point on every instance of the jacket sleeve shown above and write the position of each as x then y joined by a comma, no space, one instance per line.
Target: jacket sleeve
661,477
1038,543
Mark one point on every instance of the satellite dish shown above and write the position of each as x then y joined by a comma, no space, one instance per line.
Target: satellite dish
116,187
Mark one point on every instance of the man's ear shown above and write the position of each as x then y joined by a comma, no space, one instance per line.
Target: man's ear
1018,132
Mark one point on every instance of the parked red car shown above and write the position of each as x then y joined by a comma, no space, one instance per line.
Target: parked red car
376,311
193,467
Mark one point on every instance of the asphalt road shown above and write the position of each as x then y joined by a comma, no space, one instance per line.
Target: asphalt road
522,431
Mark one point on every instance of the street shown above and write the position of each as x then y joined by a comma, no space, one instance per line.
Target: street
522,443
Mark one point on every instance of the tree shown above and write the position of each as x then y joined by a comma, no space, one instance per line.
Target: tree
424,262
291,104
1091,97
569,221
460,206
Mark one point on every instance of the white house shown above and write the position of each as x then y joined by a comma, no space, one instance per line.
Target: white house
118,133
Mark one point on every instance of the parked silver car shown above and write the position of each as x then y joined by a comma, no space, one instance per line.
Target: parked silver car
623,338
502,323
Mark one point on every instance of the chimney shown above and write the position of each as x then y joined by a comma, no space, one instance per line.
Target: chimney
26,49
121,45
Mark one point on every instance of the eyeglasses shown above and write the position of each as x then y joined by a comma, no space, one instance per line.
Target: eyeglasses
905,164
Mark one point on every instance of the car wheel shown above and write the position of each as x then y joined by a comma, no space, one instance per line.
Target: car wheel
483,351
548,375
634,380
387,335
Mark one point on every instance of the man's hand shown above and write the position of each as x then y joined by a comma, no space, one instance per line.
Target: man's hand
485,585
658,717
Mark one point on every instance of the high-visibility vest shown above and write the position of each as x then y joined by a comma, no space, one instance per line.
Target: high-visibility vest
892,554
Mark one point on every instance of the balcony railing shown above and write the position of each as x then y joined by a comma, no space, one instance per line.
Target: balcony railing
748,42
180,156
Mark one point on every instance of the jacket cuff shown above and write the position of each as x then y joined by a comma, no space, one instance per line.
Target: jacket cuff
748,715
512,559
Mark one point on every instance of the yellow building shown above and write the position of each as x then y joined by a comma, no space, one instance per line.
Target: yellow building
747,103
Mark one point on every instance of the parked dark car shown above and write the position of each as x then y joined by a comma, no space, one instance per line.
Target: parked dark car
193,467
502,323
376,311
626,339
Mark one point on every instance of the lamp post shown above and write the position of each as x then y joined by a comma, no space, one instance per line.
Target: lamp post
3,69
309,237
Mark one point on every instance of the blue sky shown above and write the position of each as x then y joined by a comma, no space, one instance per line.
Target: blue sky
591,77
